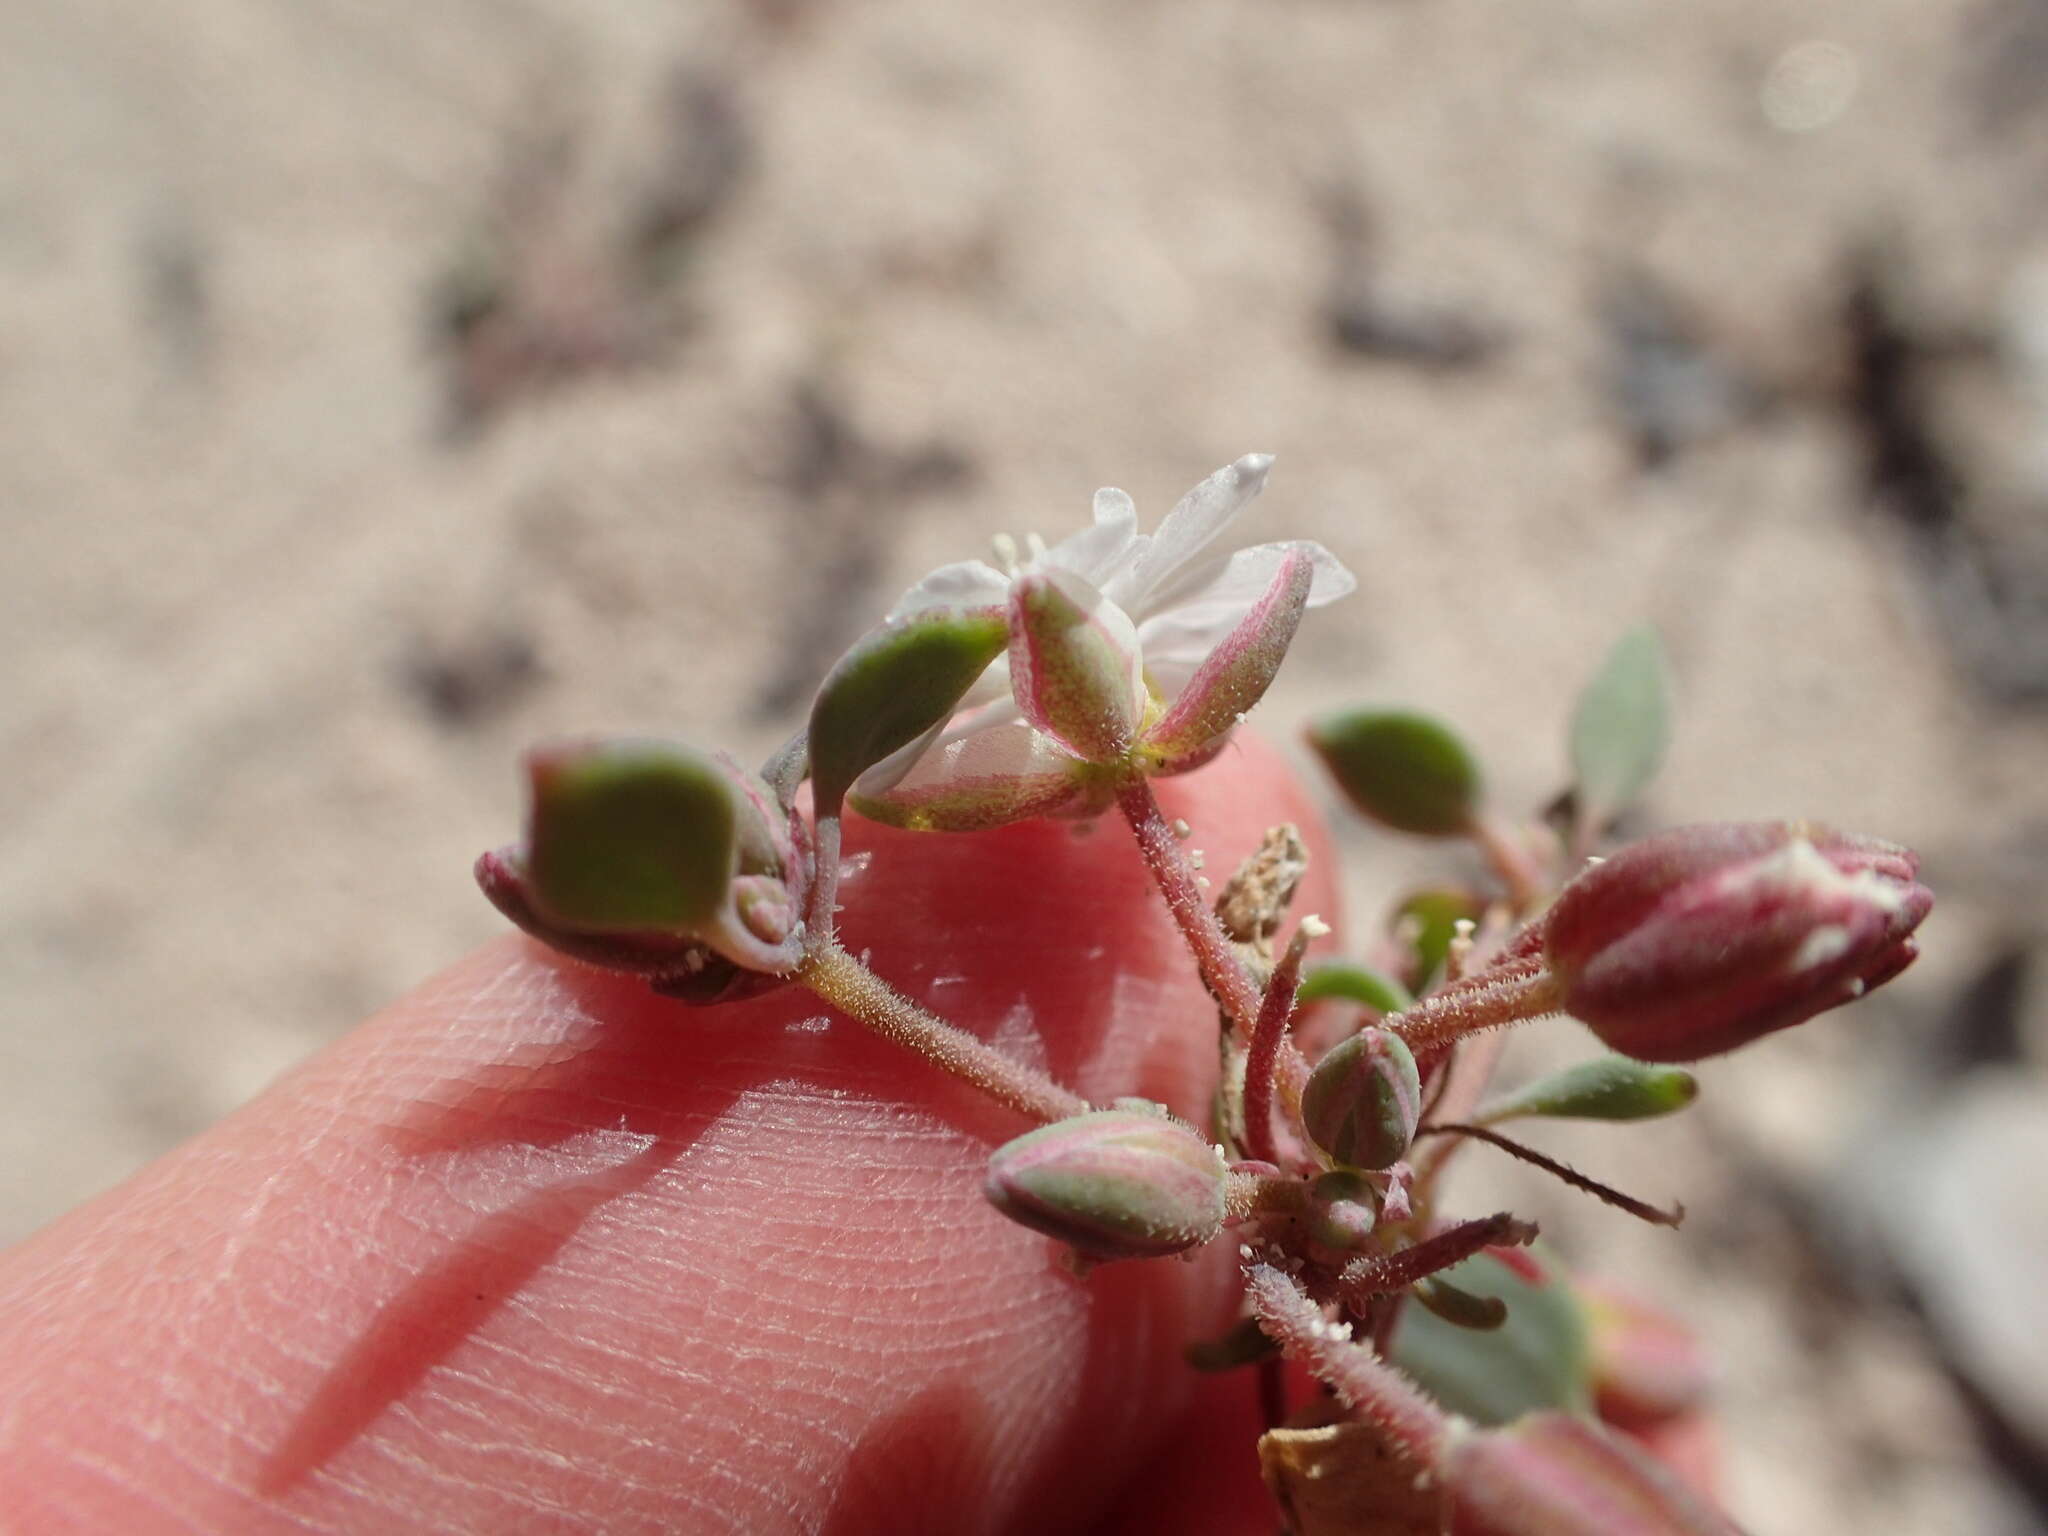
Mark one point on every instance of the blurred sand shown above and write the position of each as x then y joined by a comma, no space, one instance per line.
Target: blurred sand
275,629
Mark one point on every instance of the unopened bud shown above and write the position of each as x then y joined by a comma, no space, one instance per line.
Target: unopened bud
1557,1474
1112,1184
654,858
1647,1365
1702,939
1363,1099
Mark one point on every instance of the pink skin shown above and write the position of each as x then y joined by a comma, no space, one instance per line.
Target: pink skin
535,1251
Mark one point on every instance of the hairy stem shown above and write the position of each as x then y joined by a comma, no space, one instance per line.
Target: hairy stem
1247,1193
1371,1388
853,989
821,921
1511,860
1215,957
1505,995
1269,1033
1383,1274
1640,1209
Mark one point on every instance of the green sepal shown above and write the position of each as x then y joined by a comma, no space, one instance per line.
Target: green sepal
1406,770
898,681
1611,1087
629,837
1620,728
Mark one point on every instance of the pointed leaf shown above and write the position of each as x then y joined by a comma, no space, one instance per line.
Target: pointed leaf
1620,727
1406,770
1235,675
1610,1087
897,682
629,837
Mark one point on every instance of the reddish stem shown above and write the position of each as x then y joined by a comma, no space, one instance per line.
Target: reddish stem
1372,1389
1269,1033
1215,957
1383,1274
1640,1209
1504,995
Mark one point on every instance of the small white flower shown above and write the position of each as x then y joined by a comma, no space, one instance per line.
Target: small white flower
1177,595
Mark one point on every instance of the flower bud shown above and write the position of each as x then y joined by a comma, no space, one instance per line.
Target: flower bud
1647,1365
654,858
1123,1183
1702,939
1557,1474
1363,1100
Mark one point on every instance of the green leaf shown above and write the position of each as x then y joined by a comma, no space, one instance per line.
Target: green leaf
1606,1088
629,836
1356,984
1620,727
1431,917
1406,770
1537,1358
898,681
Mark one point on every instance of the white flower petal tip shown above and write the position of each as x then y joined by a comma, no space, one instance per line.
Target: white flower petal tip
1108,627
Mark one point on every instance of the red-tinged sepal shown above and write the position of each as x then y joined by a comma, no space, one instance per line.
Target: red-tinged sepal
1235,675
1074,665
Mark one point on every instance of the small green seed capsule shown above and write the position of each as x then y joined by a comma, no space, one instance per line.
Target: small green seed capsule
1363,1099
1344,1208
1120,1183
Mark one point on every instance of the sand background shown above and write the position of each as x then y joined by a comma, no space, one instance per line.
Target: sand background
385,386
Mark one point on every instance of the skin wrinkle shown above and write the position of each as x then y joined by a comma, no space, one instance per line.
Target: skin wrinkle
664,1310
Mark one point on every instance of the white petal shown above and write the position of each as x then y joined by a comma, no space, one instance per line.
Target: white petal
1010,773
1240,579
997,708
1179,637
1013,750
1198,517
1103,550
963,584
